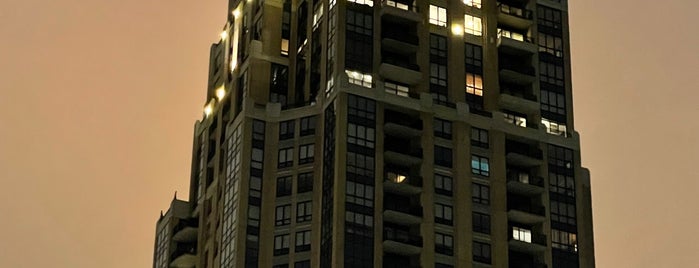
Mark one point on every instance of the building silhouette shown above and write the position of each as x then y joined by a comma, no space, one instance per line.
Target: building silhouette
401,133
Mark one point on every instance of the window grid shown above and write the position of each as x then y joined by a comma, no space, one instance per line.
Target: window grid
480,165
438,16
480,194
473,25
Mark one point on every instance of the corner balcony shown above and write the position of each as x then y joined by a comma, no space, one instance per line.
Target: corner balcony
525,213
536,244
400,210
399,151
401,242
515,17
518,101
400,10
403,185
400,71
524,184
186,231
399,41
402,125
517,74
184,255
523,155
516,45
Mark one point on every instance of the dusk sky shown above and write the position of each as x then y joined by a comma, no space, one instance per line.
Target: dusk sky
98,100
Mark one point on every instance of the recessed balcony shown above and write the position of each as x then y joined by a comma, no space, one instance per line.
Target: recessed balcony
400,10
518,101
186,231
184,255
402,125
516,44
400,71
524,184
399,41
401,242
403,185
514,17
399,151
400,210
517,74
524,155
534,244
525,213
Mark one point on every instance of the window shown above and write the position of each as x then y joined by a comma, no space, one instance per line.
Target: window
443,214
481,252
359,164
553,104
257,158
302,264
359,44
286,157
480,165
304,211
521,234
360,135
442,128
564,240
517,120
444,244
473,25
549,19
474,84
479,137
278,85
361,110
481,223
286,130
305,182
442,156
551,45
480,194
360,79
512,35
281,245
442,265
282,215
286,28
438,69
396,88
563,212
284,186
360,194
306,152
560,157
551,73
473,3
561,184
474,58
359,219
555,128
438,16
438,46
286,265
308,125
303,241
363,2
396,177
254,216
255,187
443,184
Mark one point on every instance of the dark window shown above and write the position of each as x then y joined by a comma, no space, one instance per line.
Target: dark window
481,252
563,240
481,223
304,211
302,264
286,129
442,265
479,137
563,212
281,245
286,157
284,186
443,214
255,187
438,69
306,153
286,265
254,216
553,105
480,165
282,215
361,135
359,41
550,45
561,158
551,73
549,19
474,58
444,244
303,241
308,125
443,184
278,85
360,194
359,164
442,156
562,184
305,182
361,110
480,194
442,128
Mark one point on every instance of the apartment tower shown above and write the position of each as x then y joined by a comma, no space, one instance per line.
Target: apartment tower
370,133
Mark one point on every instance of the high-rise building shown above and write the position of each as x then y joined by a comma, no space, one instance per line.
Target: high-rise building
402,133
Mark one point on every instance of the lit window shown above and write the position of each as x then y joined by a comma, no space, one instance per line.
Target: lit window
554,128
396,177
438,16
396,89
521,234
395,4
511,35
473,25
516,120
285,47
359,79
564,240
480,165
473,3
362,2
474,84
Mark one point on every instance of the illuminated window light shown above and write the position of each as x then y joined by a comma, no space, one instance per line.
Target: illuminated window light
224,35
208,109
236,13
220,93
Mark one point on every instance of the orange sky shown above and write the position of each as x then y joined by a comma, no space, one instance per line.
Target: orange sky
98,99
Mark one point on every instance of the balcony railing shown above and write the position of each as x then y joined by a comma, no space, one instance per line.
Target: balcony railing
404,5
523,149
399,146
518,93
400,35
515,11
510,65
515,36
402,236
400,63
526,207
403,207
525,178
182,249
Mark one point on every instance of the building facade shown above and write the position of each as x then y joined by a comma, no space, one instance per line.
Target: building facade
407,133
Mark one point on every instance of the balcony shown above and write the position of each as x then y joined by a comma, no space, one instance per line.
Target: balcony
400,70
515,17
401,242
525,212
403,185
518,101
400,210
186,231
516,44
402,125
184,255
399,41
524,260
517,74
524,184
400,10
399,261
536,245
398,151
522,154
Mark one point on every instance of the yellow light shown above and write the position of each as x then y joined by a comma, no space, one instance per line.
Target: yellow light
457,29
236,13
220,93
400,178
208,109
224,35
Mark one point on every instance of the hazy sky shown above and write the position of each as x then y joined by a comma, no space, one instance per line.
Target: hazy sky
98,99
